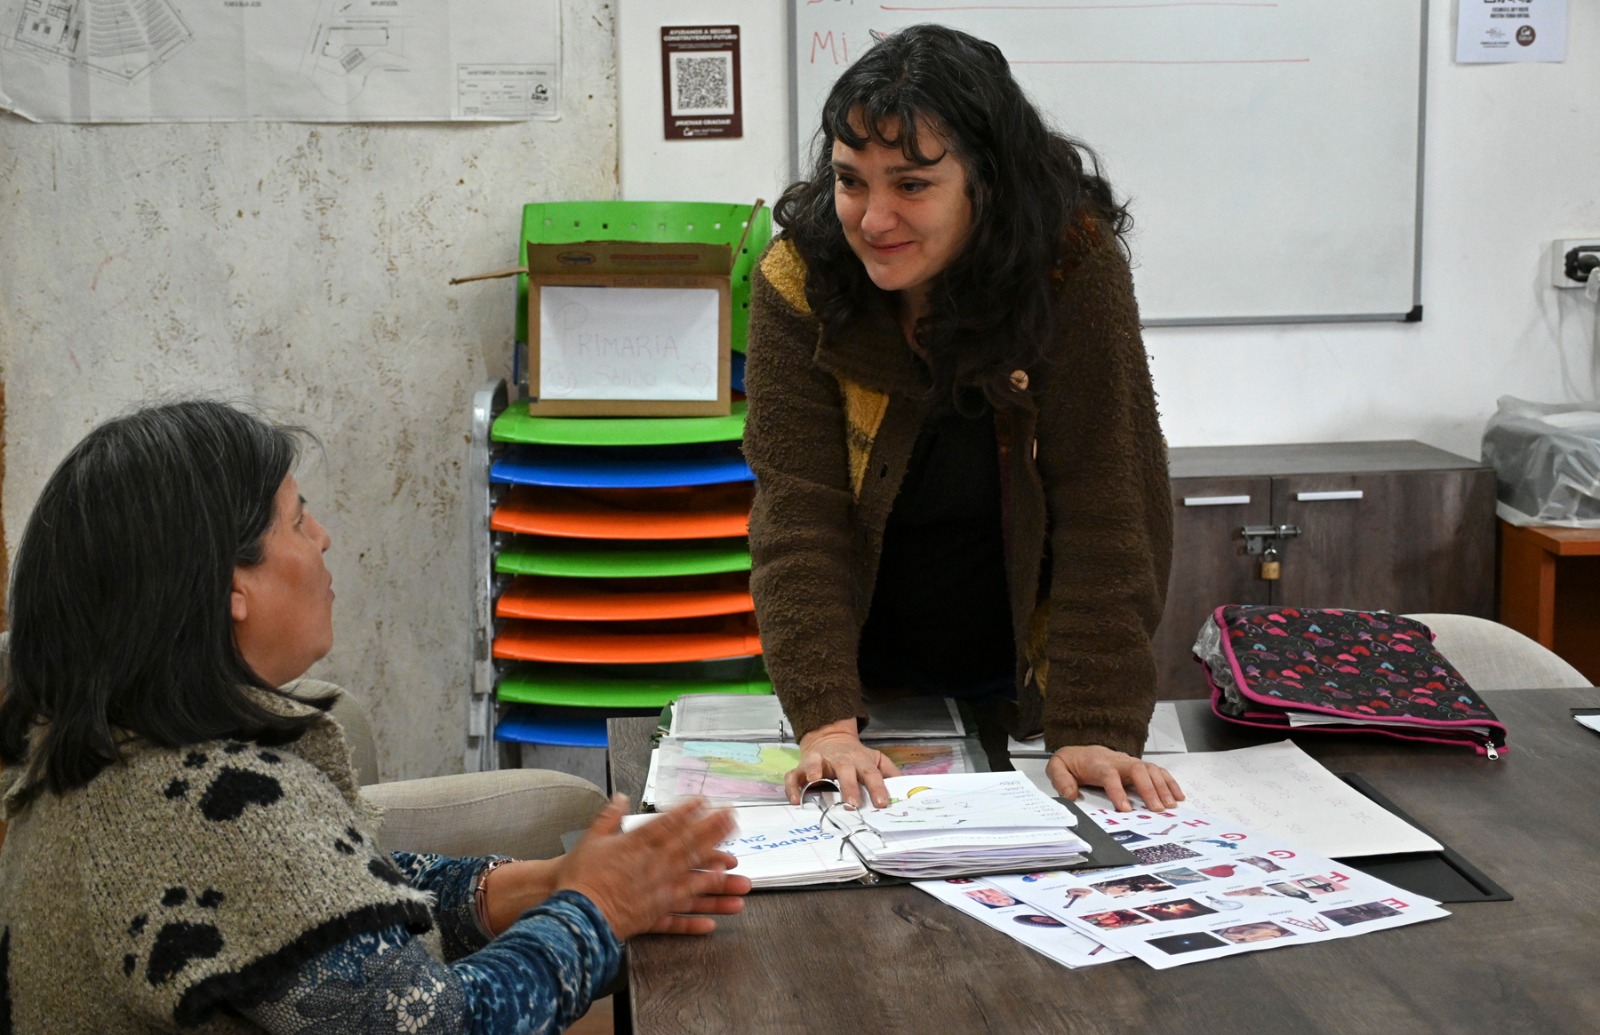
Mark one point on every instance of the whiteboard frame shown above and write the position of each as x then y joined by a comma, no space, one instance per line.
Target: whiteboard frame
798,155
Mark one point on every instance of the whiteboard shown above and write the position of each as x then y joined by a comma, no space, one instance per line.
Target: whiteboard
1271,152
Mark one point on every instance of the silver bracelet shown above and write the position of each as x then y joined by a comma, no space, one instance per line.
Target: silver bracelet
480,895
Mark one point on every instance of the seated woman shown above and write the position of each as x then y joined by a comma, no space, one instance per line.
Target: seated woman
187,844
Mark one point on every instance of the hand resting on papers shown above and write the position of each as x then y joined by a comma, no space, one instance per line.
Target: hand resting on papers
1115,773
835,752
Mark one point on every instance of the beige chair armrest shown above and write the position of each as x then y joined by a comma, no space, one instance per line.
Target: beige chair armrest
1491,656
516,812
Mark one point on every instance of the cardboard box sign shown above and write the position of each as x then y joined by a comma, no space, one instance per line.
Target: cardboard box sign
628,328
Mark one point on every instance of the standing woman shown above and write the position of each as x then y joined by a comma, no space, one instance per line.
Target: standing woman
188,848
961,480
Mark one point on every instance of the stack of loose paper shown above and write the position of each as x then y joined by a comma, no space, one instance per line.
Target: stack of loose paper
729,717
960,823
914,718
938,825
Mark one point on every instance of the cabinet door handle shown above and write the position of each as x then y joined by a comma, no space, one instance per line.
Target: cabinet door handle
1336,494
1214,501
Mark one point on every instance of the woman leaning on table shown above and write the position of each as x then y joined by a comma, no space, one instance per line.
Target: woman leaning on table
188,848
961,481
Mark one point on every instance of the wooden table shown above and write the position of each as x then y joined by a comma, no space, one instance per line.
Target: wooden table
1550,589
892,959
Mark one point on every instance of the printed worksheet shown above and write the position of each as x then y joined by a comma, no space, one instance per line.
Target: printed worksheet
997,901
1204,888
1201,888
1279,790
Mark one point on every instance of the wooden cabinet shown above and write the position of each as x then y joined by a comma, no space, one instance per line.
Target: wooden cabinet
1550,590
1396,525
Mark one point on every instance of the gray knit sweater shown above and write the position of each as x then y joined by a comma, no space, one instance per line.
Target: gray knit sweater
181,880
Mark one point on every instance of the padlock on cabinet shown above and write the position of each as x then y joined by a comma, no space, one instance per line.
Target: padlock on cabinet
1271,567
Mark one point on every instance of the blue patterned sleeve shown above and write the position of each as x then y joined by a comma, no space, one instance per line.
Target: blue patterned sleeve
540,975
451,881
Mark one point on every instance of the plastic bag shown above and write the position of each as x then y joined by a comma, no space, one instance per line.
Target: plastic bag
1546,458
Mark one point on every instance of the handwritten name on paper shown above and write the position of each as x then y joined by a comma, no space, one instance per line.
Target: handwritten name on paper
629,343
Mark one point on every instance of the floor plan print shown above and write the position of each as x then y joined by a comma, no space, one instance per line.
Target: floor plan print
280,60
351,41
119,39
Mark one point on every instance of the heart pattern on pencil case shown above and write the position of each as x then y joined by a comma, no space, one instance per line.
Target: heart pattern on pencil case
1363,663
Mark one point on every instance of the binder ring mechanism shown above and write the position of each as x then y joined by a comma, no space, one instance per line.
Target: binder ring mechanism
820,787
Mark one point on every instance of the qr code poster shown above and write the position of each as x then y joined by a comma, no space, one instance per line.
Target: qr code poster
700,81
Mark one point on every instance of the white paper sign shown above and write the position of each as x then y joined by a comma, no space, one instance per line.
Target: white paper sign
1511,30
628,343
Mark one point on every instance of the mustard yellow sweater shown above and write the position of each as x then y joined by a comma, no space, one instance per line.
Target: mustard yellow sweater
1088,519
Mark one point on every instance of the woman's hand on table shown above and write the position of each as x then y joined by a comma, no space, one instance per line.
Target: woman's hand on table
652,877
835,752
1114,772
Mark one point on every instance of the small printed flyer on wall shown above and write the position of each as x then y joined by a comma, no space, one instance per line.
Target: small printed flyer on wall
700,82
1511,30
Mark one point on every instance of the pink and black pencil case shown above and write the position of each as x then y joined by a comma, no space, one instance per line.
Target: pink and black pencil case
1341,671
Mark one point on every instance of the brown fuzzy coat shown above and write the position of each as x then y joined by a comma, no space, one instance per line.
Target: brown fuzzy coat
832,422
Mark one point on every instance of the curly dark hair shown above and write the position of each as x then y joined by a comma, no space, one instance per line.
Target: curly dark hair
1032,189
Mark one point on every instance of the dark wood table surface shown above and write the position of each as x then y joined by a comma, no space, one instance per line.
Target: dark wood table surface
893,959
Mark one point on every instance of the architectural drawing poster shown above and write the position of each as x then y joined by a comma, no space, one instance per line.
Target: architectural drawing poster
280,60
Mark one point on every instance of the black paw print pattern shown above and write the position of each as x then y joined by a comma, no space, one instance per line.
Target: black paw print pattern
229,787
377,865
180,933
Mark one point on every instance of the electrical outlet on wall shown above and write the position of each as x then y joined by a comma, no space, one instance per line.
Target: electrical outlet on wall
1569,257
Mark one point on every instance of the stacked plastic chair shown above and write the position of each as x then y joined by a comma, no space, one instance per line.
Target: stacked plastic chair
614,565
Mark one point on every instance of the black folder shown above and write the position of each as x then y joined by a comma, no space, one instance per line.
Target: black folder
1442,875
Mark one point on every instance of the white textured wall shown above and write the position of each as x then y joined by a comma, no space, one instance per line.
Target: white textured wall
305,267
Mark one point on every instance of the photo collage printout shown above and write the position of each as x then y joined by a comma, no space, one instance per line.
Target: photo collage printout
1202,888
